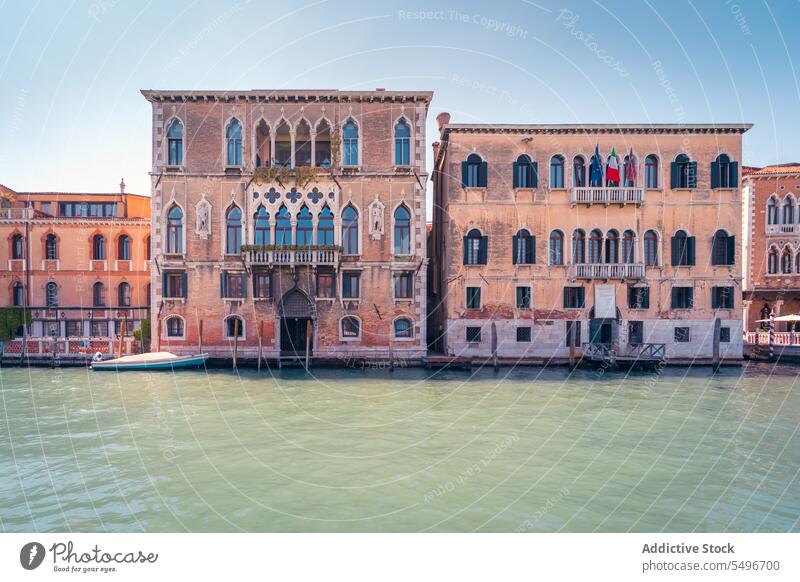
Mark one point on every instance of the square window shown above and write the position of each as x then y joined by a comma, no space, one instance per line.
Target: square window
74,328
175,284
262,285
722,298
350,284
523,334
473,335
523,297
682,297
233,285
473,297
725,335
404,285
351,327
326,286
574,298
638,297
99,328
682,335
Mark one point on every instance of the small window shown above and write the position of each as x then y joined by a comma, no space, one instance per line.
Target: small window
404,285
524,334
402,143
474,172
124,295
722,298
18,295
523,248
175,143
51,247
573,333
233,285
635,333
351,327
175,231
578,172
683,172
683,247
723,251
682,335
233,136
51,294
524,172
651,249
262,285
724,172
99,328
74,328
725,335
326,286
99,295
17,247
574,297
403,328
175,327
402,231
475,248
523,297
638,297
350,284
556,172
174,285
474,335
682,297
350,143
473,297
234,327
124,248
98,248
233,231
651,172
350,231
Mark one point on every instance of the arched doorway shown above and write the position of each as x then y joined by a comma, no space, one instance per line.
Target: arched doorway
296,312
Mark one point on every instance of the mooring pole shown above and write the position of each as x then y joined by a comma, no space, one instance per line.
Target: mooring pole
235,341
200,336
260,334
494,347
772,335
309,329
716,361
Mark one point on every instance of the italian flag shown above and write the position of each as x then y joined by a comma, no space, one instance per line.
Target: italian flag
612,169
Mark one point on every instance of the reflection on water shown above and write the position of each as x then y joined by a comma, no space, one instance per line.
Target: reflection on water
350,450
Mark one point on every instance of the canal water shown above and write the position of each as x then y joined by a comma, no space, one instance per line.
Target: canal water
413,450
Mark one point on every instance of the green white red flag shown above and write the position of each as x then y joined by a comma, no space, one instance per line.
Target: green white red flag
612,169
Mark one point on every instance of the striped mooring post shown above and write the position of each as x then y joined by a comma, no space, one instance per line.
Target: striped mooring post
772,335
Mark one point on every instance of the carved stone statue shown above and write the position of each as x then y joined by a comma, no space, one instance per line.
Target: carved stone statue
376,209
203,227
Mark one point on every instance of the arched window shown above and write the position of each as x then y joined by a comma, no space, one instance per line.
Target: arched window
786,261
651,172
651,248
17,247
305,227
402,143
403,328
325,226
51,295
402,231
18,294
263,145
350,143
283,227
683,249
233,231
350,231
175,143
475,248
772,210
351,327
556,248
322,145
261,234
283,145
797,263
596,247
98,248
523,248
772,261
724,173
124,295
723,249
124,248
556,172
578,172
628,241
629,170
147,248
51,247
524,172
234,327
474,172
612,246
787,210
578,246
99,295
684,172
175,230
233,137
175,327
302,144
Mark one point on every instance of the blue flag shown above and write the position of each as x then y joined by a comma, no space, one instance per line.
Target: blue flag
596,169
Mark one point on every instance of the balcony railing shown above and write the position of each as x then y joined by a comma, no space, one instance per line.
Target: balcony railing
608,271
16,213
783,228
607,195
781,338
310,255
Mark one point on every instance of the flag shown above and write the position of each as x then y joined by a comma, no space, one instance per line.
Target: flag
596,169
630,169
612,169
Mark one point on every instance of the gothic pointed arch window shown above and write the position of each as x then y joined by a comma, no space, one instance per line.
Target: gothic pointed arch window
350,231
233,230
283,227
772,210
233,139
578,246
175,230
402,143
261,230
325,226
322,145
402,231
175,143
302,144
305,227
283,145
263,145
787,210
786,261
350,142
772,261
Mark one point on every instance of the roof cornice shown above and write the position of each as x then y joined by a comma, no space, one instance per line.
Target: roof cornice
596,128
287,96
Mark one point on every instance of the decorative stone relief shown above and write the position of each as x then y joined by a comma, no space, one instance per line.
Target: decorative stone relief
376,209
203,210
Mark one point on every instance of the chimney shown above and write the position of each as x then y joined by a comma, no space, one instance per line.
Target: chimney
380,89
122,186
442,119
436,145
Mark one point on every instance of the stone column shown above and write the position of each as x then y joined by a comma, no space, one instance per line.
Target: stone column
292,135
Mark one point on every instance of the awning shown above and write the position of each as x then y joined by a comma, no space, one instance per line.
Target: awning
781,318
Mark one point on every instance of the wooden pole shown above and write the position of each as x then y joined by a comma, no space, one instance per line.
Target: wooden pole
309,329
494,347
200,336
235,341
715,357
158,334
391,351
122,335
260,335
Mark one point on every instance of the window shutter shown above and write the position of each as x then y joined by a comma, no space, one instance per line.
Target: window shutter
163,284
534,174
646,298
566,297
515,259
676,260
714,298
466,250
483,174
674,299
532,250
692,174
673,175
483,250
690,297
690,245
581,297
184,285
733,179
516,175
714,175
731,254
223,290
464,174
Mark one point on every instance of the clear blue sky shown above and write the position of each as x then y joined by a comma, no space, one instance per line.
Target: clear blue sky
72,117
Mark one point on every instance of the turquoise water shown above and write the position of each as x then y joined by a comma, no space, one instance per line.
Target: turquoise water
412,450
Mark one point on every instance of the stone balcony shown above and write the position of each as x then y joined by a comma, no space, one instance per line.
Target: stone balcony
783,229
16,213
608,271
607,196
311,255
